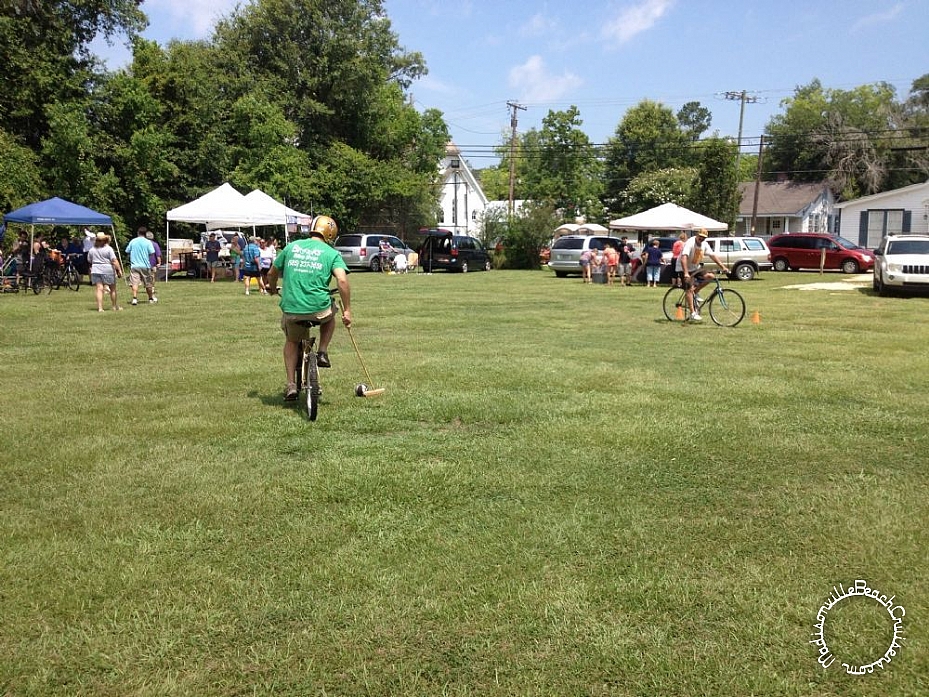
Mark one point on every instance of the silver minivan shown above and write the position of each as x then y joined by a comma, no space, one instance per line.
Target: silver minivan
566,251
363,251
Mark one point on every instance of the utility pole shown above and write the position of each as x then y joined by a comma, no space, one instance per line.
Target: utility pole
743,97
757,183
514,106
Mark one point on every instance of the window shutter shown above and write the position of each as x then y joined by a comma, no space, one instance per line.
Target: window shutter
863,229
907,221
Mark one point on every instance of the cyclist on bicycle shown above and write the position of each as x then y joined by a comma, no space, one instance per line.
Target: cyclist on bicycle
306,266
690,264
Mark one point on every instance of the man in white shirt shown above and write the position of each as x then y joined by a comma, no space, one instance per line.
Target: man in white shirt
690,263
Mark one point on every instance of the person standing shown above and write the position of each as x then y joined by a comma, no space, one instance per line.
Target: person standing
235,254
154,259
140,251
677,279
265,259
213,246
104,269
691,265
251,256
652,259
612,262
86,246
307,266
625,262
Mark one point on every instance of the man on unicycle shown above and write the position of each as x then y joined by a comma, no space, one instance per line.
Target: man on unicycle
306,267
690,264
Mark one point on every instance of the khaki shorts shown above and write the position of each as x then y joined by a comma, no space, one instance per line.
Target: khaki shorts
139,277
297,332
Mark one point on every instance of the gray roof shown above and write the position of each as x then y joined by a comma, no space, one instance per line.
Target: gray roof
778,198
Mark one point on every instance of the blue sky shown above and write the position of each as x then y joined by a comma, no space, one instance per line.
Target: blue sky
604,56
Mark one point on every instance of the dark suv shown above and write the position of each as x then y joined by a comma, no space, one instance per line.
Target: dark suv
442,249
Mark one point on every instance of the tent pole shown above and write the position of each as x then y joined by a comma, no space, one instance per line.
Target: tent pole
167,249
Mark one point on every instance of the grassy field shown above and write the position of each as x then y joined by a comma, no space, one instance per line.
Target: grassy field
561,493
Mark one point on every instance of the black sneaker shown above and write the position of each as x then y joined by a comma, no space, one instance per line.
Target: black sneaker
322,360
291,393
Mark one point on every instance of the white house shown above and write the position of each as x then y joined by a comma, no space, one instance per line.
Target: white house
461,197
867,219
784,207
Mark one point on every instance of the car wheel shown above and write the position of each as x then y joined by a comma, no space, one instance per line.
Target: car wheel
849,266
487,265
376,264
743,272
464,267
780,264
878,284
561,274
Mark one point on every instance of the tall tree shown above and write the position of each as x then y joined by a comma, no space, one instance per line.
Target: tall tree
567,167
648,138
650,189
694,120
44,50
716,192
326,59
847,138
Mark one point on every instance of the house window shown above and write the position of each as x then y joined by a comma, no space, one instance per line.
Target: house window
884,222
776,224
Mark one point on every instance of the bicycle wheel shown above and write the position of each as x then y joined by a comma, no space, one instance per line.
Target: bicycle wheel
298,372
675,305
311,371
727,308
73,279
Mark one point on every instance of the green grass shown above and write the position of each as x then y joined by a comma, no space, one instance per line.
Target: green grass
561,493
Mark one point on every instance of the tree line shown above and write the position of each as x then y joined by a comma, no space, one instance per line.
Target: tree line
309,101
858,142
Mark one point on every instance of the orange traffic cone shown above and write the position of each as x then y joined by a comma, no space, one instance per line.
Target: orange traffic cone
679,315
756,317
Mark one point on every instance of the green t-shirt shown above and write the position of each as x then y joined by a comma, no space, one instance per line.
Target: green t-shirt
306,267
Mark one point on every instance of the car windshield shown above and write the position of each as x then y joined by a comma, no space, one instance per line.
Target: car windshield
908,247
848,244
568,243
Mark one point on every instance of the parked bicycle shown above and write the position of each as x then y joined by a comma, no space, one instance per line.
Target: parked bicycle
68,274
724,305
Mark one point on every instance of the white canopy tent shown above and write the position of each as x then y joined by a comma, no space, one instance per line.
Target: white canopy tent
275,212
222,202
591,229
667,216
225,207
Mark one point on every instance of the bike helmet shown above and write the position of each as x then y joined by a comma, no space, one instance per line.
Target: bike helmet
325,228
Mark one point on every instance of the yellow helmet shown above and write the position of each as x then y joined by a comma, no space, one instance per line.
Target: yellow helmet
324,227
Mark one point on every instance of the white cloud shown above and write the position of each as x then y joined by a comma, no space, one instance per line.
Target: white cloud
635,19
878,18
538,25
535,84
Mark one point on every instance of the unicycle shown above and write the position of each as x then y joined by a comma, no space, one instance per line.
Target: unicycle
307,373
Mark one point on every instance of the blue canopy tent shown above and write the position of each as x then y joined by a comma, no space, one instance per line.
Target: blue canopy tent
57,211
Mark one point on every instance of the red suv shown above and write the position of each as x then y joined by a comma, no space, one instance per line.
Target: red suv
807,250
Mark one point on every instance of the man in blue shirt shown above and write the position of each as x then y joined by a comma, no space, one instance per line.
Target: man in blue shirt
140,251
